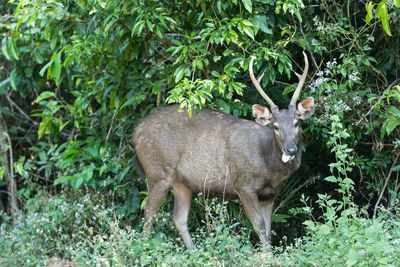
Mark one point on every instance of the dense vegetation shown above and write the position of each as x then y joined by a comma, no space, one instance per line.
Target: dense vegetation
77,75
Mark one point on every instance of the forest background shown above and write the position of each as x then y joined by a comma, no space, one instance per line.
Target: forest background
77,75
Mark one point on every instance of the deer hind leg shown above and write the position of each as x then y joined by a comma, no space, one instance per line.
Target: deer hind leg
182,202
157,192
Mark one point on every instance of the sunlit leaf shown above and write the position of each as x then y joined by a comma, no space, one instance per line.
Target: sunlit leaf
45,95
248,5
13,49
382,14
369,7
4,48
56,69
13,79
41,72
249,32
63,179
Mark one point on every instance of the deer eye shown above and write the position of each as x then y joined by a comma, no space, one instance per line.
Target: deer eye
296,124
276,128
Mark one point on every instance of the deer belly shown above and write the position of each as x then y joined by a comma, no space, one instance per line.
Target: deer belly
208,181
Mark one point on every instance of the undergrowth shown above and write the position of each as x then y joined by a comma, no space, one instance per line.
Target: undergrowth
88,234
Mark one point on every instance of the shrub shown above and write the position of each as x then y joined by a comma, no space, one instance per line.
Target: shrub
350,240
84,232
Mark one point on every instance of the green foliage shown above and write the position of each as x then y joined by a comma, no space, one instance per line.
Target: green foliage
349,239
381,13
95,237
50,226
77,75
392,114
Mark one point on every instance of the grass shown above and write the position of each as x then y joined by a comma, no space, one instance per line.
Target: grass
83,232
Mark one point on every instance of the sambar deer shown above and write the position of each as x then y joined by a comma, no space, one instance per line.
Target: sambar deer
221,155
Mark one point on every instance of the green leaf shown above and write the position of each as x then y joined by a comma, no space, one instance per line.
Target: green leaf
13,79
382,13
13,48
348,181
87,173
391,124
2,85
249,32
179,72
394,110
137,29
331,179
246,22
63,179
280,68
76,183
42,156
369,7
248,5
159,32
41,73
396,3
45,95
221,105
43,127
110,24
4,48
263,24
102,169
56,69
37,56
396,168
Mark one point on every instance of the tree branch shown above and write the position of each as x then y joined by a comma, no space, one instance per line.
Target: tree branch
385,185
20,110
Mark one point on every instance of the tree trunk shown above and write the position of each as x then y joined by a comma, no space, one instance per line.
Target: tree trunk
159,98
7,164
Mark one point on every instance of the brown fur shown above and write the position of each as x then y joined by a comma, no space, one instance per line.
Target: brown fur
215,153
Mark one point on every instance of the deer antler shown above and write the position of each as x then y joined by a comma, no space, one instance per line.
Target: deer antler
258,86
301,82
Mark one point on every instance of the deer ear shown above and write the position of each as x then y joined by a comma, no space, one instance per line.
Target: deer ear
262,115
306,108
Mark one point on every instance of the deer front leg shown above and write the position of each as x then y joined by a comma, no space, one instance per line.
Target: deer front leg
252,209
266,211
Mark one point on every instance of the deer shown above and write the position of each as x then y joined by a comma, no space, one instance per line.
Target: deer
218,154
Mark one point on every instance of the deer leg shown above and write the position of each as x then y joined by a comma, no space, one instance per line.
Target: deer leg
266,211
182,201
157,192
252,209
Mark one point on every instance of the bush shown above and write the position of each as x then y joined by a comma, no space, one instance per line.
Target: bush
84,232
49,226
350,240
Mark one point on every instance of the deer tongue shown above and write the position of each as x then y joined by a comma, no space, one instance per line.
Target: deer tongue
286,158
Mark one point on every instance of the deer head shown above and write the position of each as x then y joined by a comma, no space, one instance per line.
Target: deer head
284,122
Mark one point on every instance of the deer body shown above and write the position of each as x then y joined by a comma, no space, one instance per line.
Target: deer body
211,152
220,155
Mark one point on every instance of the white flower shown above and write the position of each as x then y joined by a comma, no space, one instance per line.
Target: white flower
357,99
353,76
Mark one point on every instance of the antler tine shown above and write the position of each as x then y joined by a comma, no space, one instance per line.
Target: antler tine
257,84
301,82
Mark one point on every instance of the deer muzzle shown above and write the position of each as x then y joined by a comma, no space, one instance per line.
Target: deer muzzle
288,153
